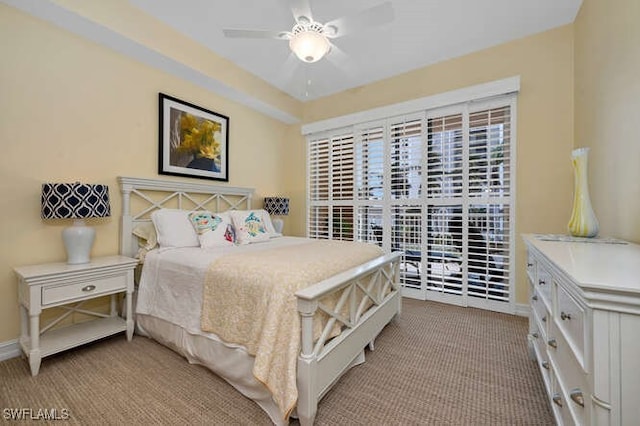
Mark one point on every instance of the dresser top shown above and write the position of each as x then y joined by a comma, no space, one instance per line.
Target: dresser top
595,264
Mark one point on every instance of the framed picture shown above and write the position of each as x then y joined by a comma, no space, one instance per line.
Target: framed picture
194,141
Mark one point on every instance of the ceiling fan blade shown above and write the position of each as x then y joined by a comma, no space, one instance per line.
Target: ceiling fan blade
301,10
280,35
342,61
374,16
288,69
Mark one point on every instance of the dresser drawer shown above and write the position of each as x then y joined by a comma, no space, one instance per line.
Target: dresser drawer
59,294
570,377
570,317
543,361
540,312
538,328
531,267
560,406
543,285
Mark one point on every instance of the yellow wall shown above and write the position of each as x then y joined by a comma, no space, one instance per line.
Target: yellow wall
74,110
607,110
544,120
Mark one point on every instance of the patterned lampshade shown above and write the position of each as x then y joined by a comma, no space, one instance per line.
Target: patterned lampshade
74,201
278,206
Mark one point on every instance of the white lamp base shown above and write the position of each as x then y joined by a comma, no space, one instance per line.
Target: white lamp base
78,240
277,224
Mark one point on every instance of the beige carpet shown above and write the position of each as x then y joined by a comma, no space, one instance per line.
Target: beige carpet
438,364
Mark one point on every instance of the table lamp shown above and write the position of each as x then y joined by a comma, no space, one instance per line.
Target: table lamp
77,201
277,206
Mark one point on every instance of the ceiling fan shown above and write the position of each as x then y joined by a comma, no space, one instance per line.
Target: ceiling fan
310,40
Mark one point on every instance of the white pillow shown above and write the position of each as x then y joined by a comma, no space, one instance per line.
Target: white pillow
213,229
174,228
251,226
271,230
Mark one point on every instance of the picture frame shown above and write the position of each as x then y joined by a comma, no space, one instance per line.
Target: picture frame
193,141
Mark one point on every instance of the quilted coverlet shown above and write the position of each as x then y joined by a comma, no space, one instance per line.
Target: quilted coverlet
249,299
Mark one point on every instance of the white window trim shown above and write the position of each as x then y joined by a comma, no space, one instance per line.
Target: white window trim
466,94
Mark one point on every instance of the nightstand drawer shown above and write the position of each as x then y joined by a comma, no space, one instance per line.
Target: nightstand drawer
80,290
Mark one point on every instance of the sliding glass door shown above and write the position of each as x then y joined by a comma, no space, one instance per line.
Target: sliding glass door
436,186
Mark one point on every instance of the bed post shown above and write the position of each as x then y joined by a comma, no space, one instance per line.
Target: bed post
125,220
396,284
307,365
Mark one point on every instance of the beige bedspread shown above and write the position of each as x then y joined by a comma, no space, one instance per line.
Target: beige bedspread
249,299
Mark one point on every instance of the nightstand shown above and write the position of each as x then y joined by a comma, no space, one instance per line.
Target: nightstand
69,287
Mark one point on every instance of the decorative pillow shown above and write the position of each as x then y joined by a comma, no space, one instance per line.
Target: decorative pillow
174,229
250,226
147,237
213,229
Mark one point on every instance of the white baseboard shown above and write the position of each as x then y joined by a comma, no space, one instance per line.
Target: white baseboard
522,310
10,349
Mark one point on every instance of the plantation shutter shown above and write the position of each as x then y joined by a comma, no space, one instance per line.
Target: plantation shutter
406,157
369,176
434,185
489,210
444,157
342,170
318,188
370,163
342,187
445,177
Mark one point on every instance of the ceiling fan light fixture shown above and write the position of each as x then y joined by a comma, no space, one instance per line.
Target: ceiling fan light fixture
309,43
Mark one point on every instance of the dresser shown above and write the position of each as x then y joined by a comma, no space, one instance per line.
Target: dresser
584,327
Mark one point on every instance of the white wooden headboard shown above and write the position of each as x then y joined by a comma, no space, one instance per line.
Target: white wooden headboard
140,197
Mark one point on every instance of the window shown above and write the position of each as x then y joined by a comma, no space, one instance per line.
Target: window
435,185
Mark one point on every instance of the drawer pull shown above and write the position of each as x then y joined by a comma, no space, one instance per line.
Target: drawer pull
564,316
534,297
535,335
577,397
89,288
544,318
542,282
553,343
557,399
529,265
545,365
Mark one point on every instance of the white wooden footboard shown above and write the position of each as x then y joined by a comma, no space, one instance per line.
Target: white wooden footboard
368,298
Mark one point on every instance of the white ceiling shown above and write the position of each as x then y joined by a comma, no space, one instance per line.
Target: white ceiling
423,32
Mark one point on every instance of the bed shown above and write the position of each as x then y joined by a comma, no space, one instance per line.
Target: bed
333,317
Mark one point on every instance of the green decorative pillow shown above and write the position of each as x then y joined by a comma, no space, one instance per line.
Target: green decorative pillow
213,229
250,226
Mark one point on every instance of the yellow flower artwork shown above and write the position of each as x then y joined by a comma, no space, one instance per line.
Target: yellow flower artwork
198,138
193,141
